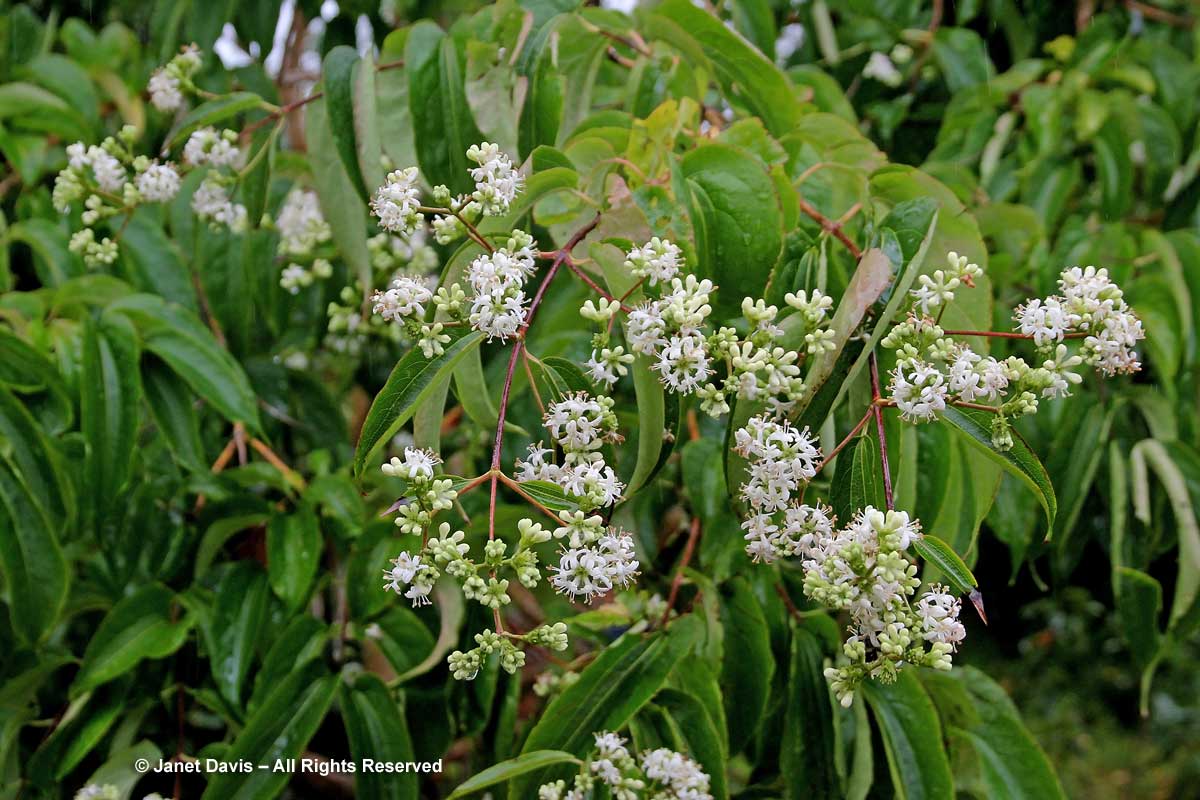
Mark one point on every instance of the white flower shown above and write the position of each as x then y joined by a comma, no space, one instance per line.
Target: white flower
1045,320
416,466
881,68
109,172
782,458
938,611
164,90
207,147
589,571
644,328
919,391
159,183
657,260
211,202
683,363
396,202
406,297
301,225
496,182
608,364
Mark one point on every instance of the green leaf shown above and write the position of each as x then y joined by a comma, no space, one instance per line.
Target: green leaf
1139,601
1019,460
912,737
33,108
146,624
698,732
608,693
550,495
513,768
963,58
34,458
120,771
404,639
212,113
170,405
55,264
736,218
411,380
746,75
1013,763
1167,462
177,336
748,665
806,754
1114,168
35,572
301,642
256,185
337,75
233,630
377,730
443,127
293,553
942,556
341,203
108,412
280,728
858,479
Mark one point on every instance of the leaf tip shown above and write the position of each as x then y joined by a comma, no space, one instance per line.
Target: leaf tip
976,598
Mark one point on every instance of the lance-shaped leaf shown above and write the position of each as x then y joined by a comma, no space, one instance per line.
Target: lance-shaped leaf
513,768
337,73
377,729
177,336
912,738
608,693
411,380
212,113
939,554
807,752
280,728
1020,460
143,625
35,572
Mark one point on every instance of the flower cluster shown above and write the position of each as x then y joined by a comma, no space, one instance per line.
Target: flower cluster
580,425
98,178
933,370
782,460
397,204
302,232
671,331
594,559
863,570
169,82
660,774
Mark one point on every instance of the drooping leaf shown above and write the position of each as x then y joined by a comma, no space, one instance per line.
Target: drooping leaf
377,730
534,761
293,554
145,625
212,113
175,335
1019,460
35,571
748,664
912,737
807,757
937,553
411,380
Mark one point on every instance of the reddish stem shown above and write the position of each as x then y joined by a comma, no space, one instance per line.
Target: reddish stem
883,453
829,225
853,432
688,549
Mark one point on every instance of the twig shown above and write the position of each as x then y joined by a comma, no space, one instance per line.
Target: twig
830,226
688,549
883,453
1008,335
1160,14
293,477
853,432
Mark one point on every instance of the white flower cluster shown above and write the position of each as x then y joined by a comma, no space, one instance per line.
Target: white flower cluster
938,289
498,282
497,184
211,202
396,203
660,774
301,225
580,425
670,330
657,260
595,558
98,178
933,370
1089,303
863,570
168,83
782,460
207,148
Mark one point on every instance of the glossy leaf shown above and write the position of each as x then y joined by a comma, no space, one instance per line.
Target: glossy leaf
377,730
912,737
513,768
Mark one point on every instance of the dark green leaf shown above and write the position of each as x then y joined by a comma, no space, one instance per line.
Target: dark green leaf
807,757
212,113
513,768
912,737
377,730
293,555
35,572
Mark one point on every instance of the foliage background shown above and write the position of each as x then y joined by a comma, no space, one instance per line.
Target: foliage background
1067,130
